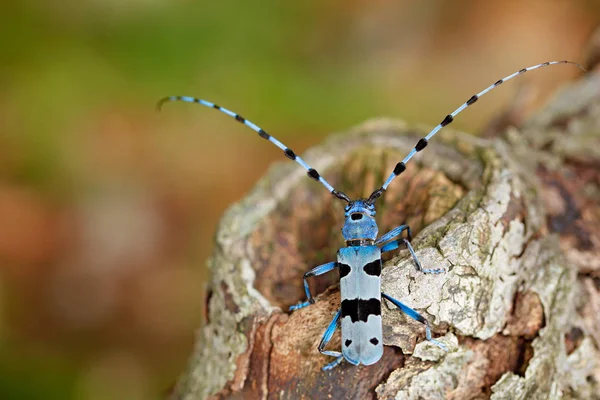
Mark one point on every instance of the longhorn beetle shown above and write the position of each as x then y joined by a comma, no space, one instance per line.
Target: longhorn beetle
359,263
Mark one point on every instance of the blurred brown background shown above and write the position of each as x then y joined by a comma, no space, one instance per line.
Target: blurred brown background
107,208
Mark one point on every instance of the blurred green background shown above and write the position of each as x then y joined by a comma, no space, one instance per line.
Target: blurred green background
107,208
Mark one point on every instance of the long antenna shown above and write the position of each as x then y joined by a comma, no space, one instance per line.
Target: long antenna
289,153
421,144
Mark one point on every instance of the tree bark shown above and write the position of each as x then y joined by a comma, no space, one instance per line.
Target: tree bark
514,220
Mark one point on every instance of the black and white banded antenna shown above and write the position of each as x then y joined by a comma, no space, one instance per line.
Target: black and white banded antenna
421,144
289,153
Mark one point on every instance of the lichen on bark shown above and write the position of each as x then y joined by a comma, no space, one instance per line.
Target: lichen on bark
506,306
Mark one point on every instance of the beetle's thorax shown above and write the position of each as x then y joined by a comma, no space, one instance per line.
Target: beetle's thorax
360,227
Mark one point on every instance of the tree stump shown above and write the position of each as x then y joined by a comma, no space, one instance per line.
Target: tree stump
514,220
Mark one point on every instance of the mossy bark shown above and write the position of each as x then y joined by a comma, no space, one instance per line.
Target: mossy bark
515,221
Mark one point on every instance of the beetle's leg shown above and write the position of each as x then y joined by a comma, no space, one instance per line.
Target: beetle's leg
326,338
396,243
417,317
393,233
414,256
316,271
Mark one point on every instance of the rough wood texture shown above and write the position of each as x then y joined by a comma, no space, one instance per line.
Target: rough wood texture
514,220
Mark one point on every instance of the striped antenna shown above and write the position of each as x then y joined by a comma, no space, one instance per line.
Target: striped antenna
289,153
421,144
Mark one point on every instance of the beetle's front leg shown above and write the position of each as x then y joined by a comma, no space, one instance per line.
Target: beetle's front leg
396,243
393,233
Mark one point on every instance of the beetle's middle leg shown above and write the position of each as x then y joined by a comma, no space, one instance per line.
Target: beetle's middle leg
316,271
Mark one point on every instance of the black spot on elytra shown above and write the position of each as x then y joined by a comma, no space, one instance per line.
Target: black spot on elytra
359,309
344,269
373,268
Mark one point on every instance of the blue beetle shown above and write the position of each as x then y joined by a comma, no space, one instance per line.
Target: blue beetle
359,263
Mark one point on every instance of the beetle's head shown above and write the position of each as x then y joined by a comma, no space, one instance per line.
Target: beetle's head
360,221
